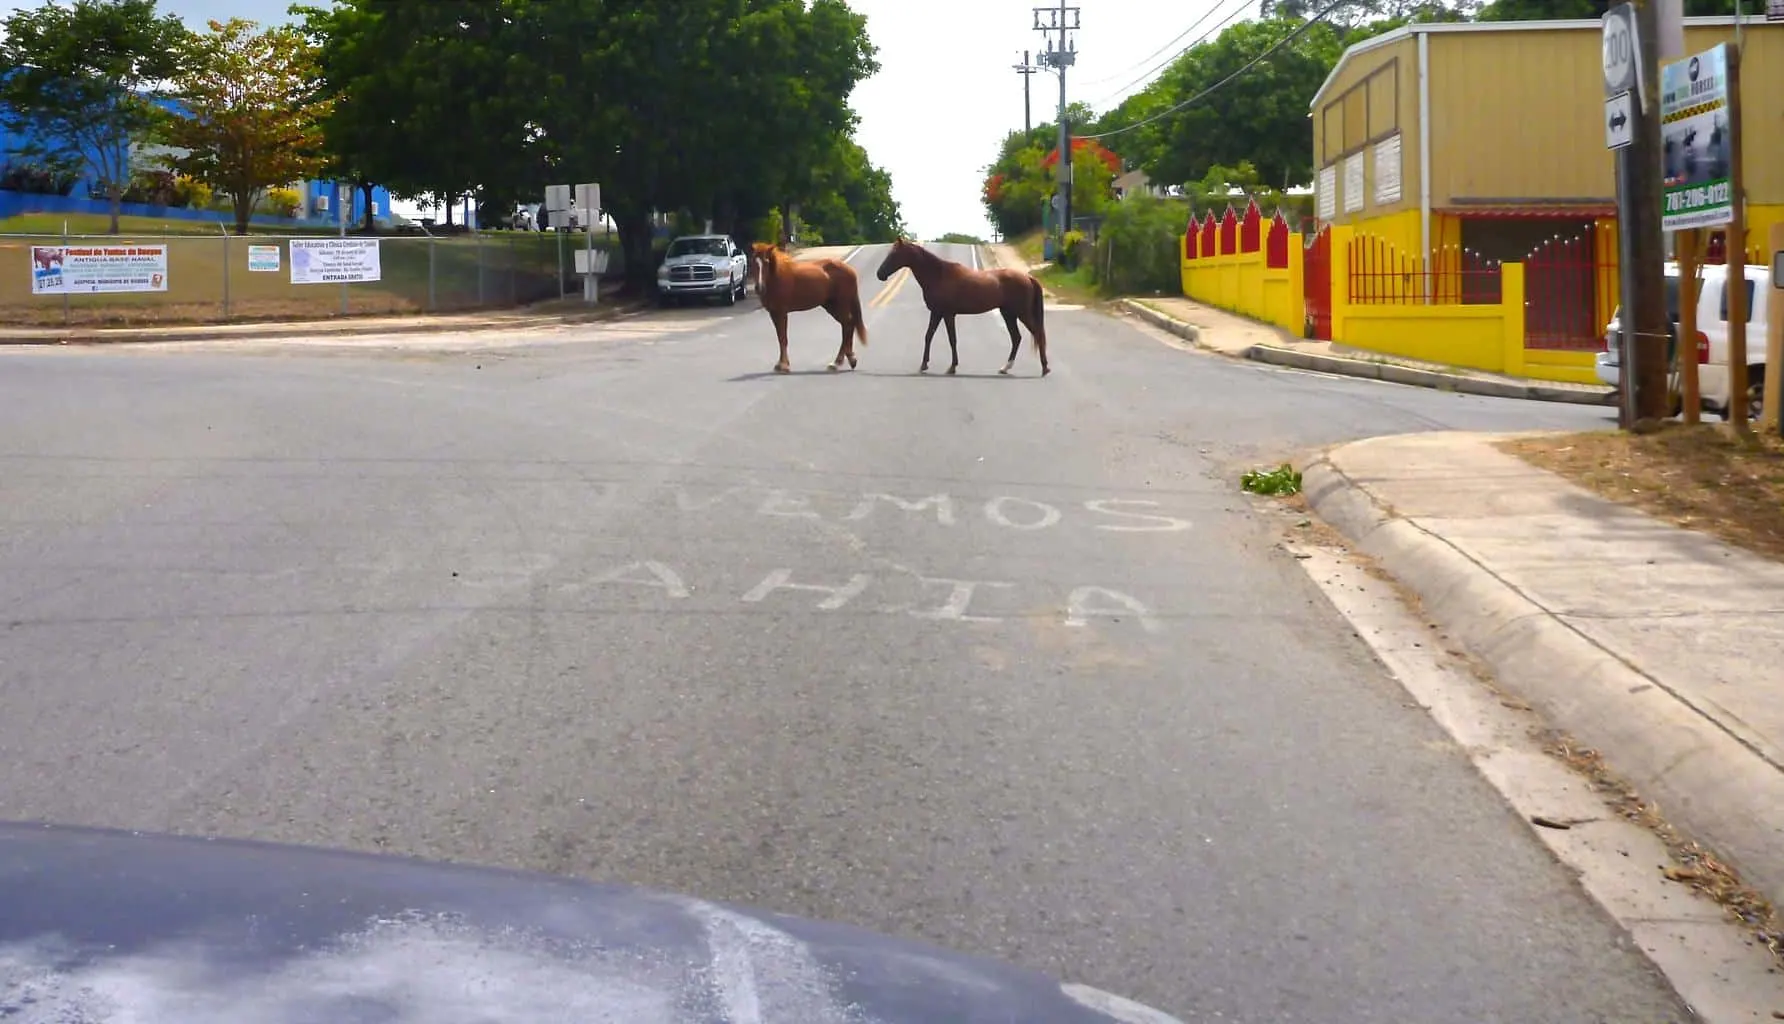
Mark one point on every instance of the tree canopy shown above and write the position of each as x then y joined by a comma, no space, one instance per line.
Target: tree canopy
248,122
722,110
75,79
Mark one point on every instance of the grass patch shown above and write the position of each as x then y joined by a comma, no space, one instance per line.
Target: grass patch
99,224
1030,245
1701,477
1075,286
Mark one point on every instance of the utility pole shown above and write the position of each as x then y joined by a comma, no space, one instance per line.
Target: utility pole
1025,69
1060,19
1632,82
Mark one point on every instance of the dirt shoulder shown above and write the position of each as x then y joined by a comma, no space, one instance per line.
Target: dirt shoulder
1699,477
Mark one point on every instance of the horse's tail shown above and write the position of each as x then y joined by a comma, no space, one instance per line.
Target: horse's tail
860,318
1039,303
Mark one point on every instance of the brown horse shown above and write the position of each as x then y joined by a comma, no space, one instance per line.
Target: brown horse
950,289
786,285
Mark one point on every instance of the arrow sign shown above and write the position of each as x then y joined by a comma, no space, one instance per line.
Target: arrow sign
1619,131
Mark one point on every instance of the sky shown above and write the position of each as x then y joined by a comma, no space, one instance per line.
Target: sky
947,90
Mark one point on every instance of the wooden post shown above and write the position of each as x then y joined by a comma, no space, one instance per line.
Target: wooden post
1774,344
1736,284
1690,393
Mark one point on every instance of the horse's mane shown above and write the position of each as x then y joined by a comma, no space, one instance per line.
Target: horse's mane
921,253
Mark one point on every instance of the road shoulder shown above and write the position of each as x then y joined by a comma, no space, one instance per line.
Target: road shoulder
1644,641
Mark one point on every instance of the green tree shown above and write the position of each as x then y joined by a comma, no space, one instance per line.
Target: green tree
75,78
431,99
249,121
850,200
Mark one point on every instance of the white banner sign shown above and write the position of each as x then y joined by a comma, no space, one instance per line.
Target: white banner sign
334,260
263,259
1327,192
76,269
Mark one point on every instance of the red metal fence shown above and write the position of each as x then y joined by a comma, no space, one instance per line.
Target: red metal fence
1379,274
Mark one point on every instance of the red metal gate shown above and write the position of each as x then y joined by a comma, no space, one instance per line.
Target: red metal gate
1561,292
1316,284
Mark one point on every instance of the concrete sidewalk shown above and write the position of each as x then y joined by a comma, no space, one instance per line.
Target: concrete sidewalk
1231,335
1657,646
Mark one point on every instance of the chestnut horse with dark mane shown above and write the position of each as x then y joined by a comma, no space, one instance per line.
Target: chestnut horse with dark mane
786,285
951,289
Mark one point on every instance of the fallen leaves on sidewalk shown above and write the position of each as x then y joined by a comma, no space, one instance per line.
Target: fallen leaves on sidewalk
1693,865
1702,478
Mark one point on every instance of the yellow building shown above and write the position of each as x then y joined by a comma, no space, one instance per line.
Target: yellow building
1447,150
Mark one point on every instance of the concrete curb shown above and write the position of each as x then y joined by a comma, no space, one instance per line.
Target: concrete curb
1371,370
315,329
1705,781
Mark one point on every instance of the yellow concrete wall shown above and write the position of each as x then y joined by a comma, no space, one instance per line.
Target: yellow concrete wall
1478,336
1481,337
1244,283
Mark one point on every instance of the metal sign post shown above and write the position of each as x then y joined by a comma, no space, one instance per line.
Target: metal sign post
588,200
343,200
1620,85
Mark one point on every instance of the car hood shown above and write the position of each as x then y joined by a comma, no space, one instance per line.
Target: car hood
696,258
118,926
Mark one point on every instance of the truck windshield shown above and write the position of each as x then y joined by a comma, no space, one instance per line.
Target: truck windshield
697,247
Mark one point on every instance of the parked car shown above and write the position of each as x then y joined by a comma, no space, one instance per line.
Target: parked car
1711,343
704,266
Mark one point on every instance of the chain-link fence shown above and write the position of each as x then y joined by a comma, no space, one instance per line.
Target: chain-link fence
141,279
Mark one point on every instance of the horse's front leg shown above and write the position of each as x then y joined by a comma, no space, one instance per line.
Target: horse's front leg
780,333
953,347
935,320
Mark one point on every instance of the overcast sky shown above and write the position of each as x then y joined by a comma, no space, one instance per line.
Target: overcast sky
947,90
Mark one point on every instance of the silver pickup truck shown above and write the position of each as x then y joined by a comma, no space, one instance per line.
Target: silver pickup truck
706,266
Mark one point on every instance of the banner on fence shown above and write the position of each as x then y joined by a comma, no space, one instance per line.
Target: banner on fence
1694,141
263,259
88,269
334,260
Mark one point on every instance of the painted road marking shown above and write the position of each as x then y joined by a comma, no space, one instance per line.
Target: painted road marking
927,598
891,289
1009,512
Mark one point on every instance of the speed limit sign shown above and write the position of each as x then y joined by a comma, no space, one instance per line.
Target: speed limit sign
1622,69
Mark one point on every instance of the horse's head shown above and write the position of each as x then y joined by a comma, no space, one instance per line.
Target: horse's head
898,255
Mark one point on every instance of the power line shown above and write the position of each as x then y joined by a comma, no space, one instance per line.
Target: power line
1284,41
1205,16
1172,59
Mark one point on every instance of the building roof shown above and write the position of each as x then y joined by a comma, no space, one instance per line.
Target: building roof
1488,27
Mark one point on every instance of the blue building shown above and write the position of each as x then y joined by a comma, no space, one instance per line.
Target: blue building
317,199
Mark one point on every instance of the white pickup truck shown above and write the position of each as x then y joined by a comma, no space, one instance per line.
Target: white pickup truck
1712,325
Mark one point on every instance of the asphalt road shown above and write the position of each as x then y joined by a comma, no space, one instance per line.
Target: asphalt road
1009,664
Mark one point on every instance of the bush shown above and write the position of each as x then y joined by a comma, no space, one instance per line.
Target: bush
191,193
1071,249
284,201
1139,249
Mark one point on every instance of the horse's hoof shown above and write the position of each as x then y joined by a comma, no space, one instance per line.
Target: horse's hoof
851,362
833,367
951,370
783,369
923,369
1005,371
1045,370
